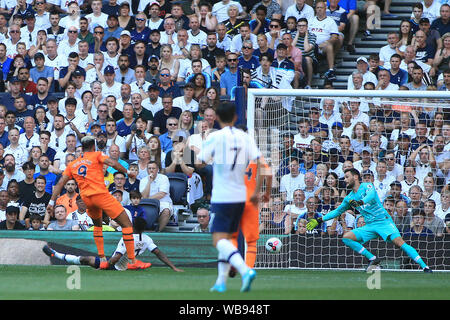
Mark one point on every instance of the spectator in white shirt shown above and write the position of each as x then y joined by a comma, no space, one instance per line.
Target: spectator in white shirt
299,10
157,186
19,152
388,50
382,181
362,65
187,102
384,81
298,205
291,181
244,34
196,36
303,139
220,10
97,17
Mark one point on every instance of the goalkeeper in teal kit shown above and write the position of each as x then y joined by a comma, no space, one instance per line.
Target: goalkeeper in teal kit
379,223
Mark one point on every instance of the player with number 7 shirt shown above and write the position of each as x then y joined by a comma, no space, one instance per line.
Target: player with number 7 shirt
87,170
231,150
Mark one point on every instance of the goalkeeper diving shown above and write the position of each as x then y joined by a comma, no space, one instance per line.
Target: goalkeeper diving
379,223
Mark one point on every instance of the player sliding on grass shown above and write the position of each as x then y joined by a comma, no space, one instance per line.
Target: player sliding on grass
379,223
87,170
119,260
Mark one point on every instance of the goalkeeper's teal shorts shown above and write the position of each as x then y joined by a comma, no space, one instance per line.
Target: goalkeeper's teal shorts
385,229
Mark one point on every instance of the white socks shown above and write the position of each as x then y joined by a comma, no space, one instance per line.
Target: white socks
227,251
68,258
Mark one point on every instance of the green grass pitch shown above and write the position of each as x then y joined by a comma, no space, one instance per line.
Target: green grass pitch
159,283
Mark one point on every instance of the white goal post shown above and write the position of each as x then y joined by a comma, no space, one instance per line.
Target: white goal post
377,127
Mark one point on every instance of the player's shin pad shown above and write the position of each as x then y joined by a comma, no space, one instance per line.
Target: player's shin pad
128,239
98,238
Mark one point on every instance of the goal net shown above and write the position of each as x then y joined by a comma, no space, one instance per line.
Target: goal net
398,140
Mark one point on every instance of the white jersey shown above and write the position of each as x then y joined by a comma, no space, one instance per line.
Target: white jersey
84,221
231,150
142,242
323,29
181,103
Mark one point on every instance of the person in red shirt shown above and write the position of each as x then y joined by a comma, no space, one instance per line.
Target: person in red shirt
27,85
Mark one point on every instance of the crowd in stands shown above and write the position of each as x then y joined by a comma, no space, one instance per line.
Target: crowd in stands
145,77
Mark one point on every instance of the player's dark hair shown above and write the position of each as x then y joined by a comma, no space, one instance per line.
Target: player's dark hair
87,144
417,212
226,111
354,172
139,224
396,55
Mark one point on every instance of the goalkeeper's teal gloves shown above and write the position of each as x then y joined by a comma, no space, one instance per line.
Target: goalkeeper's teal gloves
313,223
356,203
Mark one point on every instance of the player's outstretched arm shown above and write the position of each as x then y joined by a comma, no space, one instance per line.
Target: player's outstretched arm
161,256
116,165
371,195
113,260
56,192
331,215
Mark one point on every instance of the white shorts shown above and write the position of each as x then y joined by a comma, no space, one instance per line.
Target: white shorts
165,205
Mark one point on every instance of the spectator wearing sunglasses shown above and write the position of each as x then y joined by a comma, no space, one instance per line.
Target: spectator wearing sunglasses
141,32
166,85
228,79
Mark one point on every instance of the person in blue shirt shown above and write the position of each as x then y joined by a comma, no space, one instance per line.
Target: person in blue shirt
442,24
135,209
247,60
40,69
228,79
50,177
141,32
5,62
261,23
247,83
398,76
379,223
113,30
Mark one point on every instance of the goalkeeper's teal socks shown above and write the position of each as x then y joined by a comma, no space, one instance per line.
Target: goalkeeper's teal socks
356,246
412,253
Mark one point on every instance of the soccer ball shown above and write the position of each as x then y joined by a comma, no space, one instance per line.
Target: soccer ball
273,245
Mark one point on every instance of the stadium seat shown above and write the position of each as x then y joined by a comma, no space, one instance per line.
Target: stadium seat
178,193
178,188
151,208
